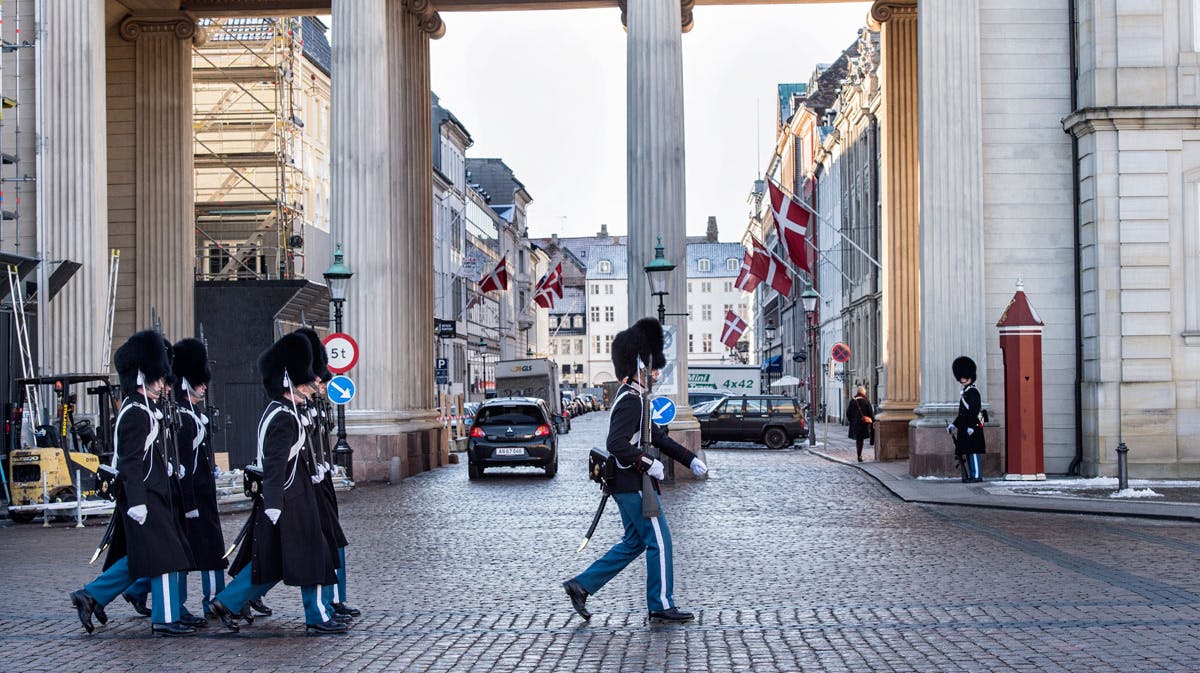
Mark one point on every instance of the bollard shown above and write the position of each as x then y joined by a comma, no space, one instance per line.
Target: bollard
1122,466
394,470
78,499
45,503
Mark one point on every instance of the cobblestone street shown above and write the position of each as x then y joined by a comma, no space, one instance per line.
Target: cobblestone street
790,562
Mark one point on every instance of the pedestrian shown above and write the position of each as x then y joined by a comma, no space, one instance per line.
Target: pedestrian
643,342
284,542
967,427
862,420
147,538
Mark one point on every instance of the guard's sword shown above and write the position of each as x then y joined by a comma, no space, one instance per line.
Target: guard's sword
240,536
595,521
106,539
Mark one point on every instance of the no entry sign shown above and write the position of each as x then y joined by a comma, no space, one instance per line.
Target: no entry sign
342,350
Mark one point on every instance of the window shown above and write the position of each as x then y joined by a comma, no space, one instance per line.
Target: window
609,314
690,316
608,288
553,347
733,264
689,288
604,266
608,339
707,343
706,312
706,287
783,407
728,308
566,369
597,339
578,368
596,289
691,343
579,346
704,264
577,321
595,314
728,286
755,405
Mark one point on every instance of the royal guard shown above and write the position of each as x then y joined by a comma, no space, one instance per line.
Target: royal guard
636,478
284,542
147,538
967,427
322,452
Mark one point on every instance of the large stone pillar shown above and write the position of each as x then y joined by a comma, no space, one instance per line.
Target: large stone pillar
899,227
380,78
73,190
164,254
952,301
656,188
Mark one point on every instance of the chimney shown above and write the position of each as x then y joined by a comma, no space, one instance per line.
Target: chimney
710,236
554,239
603,231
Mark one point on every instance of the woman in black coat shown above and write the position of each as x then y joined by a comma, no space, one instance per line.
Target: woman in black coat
861,417
967,427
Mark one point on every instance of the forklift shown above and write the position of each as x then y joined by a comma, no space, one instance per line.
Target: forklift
62,449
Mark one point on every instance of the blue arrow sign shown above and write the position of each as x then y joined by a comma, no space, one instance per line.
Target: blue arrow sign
662,410
340,389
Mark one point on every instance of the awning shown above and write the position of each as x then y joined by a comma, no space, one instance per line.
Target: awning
773,365
785,381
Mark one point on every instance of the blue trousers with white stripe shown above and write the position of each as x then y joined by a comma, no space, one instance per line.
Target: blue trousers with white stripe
641,534
242,590
166,605
974,465
336,593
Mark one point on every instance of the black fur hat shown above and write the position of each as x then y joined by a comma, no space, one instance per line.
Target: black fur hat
644,340
191,362
144,352
291,355
963,368
169,377
320,357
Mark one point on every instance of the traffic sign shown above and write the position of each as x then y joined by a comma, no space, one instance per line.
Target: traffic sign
342,351
340,389
662,410
840,352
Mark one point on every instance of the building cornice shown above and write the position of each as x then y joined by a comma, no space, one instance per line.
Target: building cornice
1136,118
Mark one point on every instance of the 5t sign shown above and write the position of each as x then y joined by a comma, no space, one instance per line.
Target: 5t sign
342,350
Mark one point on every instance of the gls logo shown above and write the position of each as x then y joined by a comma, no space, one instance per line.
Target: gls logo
522,368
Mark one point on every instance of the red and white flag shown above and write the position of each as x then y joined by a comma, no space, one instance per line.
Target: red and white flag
554,281
543,296
497,279
791,223
777,275
734,326
760,262
746,280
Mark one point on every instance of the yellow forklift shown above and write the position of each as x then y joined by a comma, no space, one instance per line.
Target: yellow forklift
66,453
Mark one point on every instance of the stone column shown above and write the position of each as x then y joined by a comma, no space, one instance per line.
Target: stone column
73,188
952,301
164,257
899,179
656,188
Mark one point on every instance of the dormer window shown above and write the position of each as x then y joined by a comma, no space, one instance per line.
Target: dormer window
704,264
605,266
732,264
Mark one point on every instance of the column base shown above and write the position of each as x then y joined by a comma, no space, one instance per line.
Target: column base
891,434
413,437
932,450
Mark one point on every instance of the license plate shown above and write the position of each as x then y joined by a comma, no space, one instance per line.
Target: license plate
509,451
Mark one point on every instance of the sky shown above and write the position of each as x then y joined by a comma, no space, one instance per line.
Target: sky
545,91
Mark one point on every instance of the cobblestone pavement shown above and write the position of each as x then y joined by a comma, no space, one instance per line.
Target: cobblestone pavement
790,561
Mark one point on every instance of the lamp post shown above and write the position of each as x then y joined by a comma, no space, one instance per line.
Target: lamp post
769,335
483,354
658,273
809,298
338,277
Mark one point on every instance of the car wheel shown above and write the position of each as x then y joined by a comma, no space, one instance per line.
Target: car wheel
705,443
552,468
21,517
776,438
474,471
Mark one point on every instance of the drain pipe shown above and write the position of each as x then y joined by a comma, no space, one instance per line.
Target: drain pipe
1075,192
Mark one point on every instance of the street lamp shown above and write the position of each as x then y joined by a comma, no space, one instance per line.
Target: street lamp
338,277
482,346
658,273
769,335
809,299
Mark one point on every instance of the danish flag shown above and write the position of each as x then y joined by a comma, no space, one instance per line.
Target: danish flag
497,279
734,326
777,275
543,296
746,280
791,222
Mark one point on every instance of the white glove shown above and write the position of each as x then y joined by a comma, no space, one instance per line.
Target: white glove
192,514
970,431
656,470
699,468
316,478
182,471
138,514
273,515
170,469
950,428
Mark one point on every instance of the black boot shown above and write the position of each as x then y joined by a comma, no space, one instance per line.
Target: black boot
172,629
228,620
191,620
579,597
344,609
672,615
261,608
325,629
139,604
85,605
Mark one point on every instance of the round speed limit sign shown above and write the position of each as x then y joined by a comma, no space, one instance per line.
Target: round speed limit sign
342,350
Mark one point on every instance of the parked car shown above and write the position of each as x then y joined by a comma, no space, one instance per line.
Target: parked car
774,420
705,407
700,396
513,431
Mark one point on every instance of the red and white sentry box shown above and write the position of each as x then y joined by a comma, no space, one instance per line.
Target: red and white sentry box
342,350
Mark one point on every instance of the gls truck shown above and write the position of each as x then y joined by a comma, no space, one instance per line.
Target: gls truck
730,379
535,377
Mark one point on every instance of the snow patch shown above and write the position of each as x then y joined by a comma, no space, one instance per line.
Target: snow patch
1135,493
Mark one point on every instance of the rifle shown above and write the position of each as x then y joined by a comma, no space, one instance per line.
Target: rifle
650,507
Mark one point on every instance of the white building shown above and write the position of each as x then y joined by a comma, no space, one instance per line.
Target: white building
607,306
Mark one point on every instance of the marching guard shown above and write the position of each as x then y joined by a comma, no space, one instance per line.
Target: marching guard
636,478
283,542
967,427
147,540
322,452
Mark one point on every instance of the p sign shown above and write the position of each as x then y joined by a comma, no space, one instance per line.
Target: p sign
342,351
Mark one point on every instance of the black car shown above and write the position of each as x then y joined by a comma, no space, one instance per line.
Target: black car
774,420
513,431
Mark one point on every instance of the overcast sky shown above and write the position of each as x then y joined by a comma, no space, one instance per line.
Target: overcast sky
545,91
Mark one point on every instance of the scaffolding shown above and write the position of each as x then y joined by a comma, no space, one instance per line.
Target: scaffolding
248,127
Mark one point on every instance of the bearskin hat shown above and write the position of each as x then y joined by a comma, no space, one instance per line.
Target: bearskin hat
290,355
144,352
191,362
963,368
320,357
644,340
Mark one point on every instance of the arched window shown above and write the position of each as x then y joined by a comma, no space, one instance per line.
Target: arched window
732,264
704,264
605,266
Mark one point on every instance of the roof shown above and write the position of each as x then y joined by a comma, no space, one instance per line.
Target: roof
717,252
610,253
786,91
572,302
496,180
315,41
